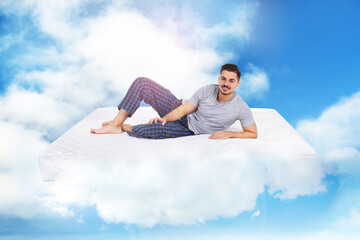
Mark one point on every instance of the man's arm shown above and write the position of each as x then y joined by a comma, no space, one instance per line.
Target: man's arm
248,132
176,114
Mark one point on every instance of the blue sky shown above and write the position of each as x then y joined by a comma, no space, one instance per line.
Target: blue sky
304,56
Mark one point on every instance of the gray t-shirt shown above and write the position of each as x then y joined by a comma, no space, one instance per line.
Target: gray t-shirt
211,115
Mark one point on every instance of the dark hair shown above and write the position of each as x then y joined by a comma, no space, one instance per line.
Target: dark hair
231,68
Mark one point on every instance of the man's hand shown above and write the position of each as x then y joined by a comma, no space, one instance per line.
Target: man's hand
220,135
156,120
248,132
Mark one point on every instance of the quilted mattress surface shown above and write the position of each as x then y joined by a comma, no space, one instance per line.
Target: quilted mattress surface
69,154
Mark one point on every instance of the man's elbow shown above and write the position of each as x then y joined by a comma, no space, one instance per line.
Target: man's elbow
252,135
255,132
255,135
251,131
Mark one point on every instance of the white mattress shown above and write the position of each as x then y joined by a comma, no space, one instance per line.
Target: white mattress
66,157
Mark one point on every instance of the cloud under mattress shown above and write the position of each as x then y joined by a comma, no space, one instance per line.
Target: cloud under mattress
78,147
178,181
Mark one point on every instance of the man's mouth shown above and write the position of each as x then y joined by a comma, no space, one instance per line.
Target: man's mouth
225,88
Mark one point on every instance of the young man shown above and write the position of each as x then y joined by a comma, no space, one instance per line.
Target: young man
211,110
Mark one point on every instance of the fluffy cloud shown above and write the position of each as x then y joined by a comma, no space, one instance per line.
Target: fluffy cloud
256,213
22,189
352,222
95,58
335,136
335,133
17,146
171,189
254,83
177,191
97,66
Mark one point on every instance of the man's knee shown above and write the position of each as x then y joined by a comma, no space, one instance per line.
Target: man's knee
142,81
147,130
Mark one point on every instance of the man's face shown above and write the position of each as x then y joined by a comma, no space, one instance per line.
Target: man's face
228,82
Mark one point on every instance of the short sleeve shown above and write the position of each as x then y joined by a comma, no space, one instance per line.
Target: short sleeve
246,116
197,96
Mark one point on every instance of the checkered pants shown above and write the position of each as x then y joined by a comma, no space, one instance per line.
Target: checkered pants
163,101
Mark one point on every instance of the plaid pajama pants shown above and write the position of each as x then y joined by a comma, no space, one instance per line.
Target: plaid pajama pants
163,101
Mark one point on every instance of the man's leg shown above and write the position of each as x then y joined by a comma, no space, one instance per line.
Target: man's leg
161,99
152,93
158,131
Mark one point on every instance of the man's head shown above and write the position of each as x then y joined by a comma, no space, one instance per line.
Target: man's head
229,79
231,68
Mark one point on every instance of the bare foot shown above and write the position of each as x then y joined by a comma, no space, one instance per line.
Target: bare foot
106,123
110,128
127,127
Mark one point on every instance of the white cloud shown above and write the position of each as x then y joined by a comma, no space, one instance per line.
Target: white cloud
352,222
154,192
335,133
239,27
254,84
121,44
23,193
151,191
20,180
342,154
256,213
96,58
